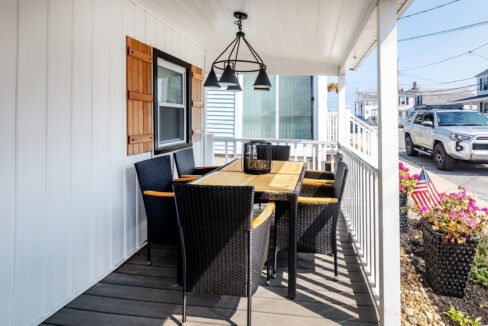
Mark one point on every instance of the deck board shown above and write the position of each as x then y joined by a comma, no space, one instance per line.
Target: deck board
137,294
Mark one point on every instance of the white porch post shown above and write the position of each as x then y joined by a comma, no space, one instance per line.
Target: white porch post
341,83
389,242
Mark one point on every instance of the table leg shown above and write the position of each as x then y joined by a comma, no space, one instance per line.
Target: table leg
292,259
288,209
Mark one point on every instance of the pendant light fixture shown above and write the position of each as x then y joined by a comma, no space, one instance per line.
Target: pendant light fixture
229,63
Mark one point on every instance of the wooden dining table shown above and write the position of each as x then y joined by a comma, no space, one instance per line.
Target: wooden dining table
282,185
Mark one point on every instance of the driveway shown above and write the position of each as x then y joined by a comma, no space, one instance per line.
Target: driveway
473,176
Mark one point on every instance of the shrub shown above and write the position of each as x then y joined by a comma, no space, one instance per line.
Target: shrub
460,319
407,181
457,217
479,273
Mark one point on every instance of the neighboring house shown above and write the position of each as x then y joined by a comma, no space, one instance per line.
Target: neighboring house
437,96
367,105
480,101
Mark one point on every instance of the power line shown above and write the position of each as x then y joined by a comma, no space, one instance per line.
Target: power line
444,31
427,10
448,59
436,82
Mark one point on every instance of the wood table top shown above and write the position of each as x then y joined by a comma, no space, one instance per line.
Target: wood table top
283,178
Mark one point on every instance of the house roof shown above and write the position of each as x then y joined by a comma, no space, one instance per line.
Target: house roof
483,73
292,37
471,99
435,96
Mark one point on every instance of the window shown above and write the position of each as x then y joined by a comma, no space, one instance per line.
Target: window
485,85
284,112
418,118
172,92
418,100
403,100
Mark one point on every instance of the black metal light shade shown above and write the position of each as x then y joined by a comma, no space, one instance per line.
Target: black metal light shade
262,81
234,88
229,77
230,63
212,81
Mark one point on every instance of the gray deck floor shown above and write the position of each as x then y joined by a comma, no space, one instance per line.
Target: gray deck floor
136,294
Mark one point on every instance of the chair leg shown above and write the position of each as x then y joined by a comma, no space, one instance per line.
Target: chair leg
275,263
335,267
183,312
148,253
268,272
249,310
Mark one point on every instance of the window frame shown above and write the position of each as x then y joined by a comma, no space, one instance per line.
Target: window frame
187,100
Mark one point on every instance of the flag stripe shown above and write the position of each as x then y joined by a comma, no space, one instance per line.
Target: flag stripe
425,193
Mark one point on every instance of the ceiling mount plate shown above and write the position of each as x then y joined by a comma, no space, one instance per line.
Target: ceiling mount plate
240,15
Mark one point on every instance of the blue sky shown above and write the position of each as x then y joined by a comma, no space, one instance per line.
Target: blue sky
427,50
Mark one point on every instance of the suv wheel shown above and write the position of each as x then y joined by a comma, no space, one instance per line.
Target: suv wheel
409,147
442,160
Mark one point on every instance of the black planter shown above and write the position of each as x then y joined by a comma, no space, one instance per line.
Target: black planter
447,265
403,213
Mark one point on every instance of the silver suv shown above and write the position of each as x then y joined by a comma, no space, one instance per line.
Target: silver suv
448,135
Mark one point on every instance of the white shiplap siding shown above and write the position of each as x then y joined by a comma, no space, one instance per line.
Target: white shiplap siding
220,116
70,205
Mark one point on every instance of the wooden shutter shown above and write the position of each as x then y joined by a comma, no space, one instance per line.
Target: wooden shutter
139,97
197,103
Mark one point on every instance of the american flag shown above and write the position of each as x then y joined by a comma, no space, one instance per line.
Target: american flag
425,194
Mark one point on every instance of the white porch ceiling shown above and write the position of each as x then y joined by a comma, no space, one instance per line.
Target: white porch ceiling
292,36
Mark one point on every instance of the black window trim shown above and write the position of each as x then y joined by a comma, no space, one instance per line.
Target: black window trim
167,57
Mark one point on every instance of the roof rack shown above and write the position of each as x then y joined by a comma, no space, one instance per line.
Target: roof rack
440,107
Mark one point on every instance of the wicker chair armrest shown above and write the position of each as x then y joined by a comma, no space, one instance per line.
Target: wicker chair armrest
320,181
159,193
317,183
317,200
264,216
186,178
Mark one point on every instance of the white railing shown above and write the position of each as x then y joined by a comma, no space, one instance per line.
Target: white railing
329,129
361,212
362,136
315,154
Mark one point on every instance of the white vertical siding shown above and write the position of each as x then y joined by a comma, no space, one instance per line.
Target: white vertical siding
70,206
8,65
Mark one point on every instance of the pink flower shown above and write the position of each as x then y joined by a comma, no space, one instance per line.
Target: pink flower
401,165
424,209
416,176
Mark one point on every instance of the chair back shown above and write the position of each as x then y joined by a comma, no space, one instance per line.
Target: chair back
155,174
215,223
185,162
340,180
338,161
280,152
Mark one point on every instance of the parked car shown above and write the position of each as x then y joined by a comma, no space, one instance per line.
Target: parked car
448,135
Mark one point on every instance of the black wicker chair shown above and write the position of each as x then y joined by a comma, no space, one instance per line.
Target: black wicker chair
185,164
155,179
224,248
280,152
318,211
327,176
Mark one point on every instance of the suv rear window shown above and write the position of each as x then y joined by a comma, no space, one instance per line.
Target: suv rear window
465,118
418,118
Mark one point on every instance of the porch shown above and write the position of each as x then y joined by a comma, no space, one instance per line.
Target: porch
73,218
137,294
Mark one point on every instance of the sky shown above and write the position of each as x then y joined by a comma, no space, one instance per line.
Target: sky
415,53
